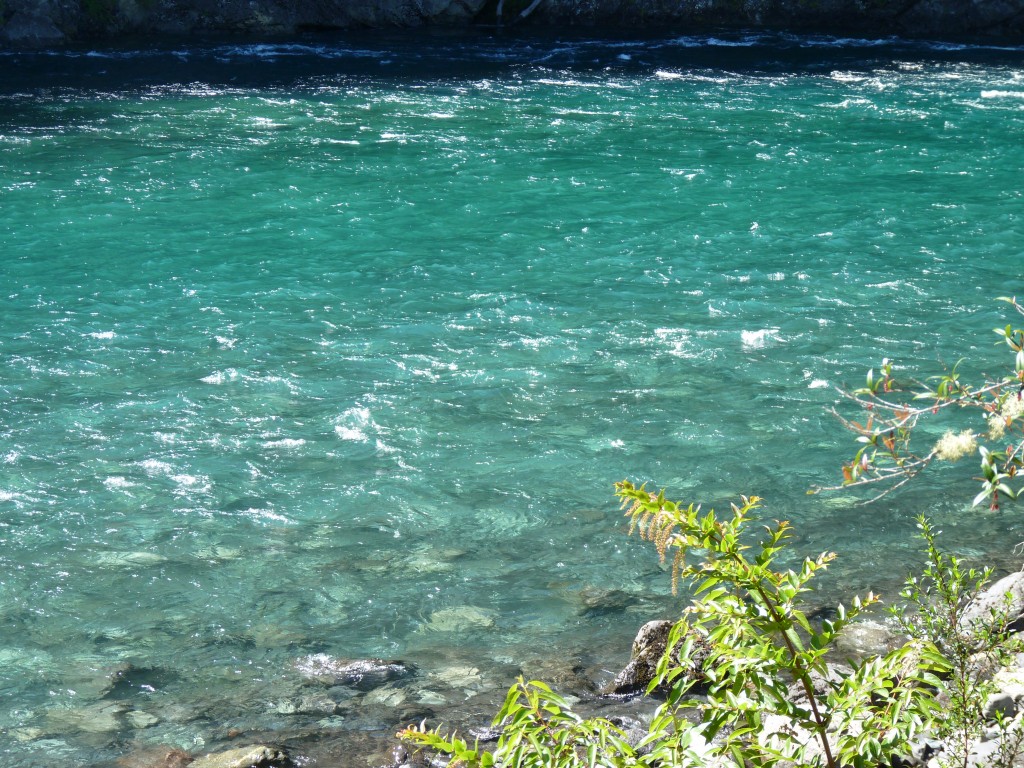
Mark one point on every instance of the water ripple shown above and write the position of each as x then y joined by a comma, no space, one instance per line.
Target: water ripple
286,353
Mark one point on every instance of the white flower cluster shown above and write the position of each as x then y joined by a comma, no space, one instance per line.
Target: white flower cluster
953,447
1011,409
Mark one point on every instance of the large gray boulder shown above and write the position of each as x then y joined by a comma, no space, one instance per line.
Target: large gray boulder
648,648
1003,598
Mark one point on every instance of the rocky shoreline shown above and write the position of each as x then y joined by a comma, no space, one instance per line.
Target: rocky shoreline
358,703
42,23
331,711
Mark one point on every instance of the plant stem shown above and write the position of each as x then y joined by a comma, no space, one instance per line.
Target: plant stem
801,674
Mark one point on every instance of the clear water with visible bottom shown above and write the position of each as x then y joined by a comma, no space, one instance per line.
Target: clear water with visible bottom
337,346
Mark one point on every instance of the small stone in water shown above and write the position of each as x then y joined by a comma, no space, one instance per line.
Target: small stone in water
388,697
364,674
460,618
286,708
430,698
457,676
331,722
318,704
27,734
140,720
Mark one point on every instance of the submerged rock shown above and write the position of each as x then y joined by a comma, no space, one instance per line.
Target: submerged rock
459,619
259,756
155,757
386,697
430,560
456,675
140,720
363,674
103,717
128,560
317,704
27,734
430,698
597,601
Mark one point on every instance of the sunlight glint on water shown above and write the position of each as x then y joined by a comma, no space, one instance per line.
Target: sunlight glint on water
298,358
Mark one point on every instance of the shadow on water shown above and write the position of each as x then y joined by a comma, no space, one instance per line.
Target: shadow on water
431,56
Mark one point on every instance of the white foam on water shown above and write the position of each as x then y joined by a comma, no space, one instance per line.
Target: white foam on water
759,339
156,467
353,423
677,340
265,516
574,83
746,42
687,173
848,77
221,377
288,443
191,485
853,102
266,122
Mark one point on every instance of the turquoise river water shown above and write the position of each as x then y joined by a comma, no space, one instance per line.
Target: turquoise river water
337,347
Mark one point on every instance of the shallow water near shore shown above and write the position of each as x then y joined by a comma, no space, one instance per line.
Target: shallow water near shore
337,347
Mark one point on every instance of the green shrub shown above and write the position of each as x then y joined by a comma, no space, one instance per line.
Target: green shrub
935,609
771,695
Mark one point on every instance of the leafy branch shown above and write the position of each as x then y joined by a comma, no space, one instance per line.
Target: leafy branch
539,730
886,458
